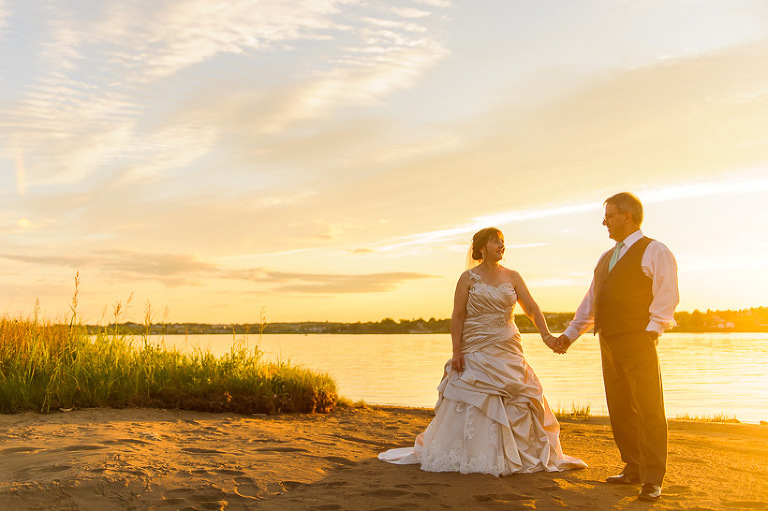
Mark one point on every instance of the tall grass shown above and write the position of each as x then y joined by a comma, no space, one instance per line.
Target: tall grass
575,412
49,366
717,417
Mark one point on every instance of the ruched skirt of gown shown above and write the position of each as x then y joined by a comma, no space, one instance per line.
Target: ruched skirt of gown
491,418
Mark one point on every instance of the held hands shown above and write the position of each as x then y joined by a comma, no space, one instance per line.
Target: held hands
563,343
558,344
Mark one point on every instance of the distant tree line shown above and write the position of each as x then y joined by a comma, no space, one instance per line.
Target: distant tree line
743,320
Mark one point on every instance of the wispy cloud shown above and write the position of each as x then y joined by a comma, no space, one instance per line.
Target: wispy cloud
334,283
170,269
381,55
183,269
4,14
94,105
734,184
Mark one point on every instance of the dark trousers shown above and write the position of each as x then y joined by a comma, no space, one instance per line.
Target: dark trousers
635,399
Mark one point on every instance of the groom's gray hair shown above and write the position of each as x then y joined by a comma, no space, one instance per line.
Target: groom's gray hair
625,201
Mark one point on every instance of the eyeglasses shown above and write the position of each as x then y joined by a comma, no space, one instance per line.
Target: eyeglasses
611,215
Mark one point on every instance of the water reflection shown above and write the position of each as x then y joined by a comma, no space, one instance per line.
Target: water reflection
704,374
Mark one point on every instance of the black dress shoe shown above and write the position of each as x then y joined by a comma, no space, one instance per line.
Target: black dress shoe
622,479
650,491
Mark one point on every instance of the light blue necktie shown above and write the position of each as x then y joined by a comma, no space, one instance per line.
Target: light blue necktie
615,256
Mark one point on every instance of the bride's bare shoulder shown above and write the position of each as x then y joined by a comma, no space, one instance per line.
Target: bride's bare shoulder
510,272
466,276
513,275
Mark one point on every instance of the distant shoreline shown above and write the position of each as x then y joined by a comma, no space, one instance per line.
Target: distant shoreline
754,320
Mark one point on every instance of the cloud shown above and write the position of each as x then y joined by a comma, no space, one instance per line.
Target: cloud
730,184
179,34
335,283
434,3
171,269
676,121
374,55
109,96
4,15
184,269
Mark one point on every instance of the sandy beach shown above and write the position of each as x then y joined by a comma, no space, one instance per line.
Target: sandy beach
136,459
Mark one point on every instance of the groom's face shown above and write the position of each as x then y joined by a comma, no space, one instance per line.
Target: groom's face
617,223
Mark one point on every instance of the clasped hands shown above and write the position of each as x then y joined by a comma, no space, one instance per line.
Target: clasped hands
558,344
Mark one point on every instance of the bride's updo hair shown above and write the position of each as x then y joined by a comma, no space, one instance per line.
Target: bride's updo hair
480,240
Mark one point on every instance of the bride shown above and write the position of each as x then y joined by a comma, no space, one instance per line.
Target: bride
491,415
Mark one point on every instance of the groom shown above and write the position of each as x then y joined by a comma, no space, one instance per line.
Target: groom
631,301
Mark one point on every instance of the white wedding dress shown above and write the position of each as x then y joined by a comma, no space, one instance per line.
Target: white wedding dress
491,418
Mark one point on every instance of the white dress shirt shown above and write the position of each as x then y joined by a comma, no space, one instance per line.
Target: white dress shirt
658,264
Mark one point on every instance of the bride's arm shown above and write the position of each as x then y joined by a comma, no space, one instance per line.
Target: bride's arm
531,308
457,320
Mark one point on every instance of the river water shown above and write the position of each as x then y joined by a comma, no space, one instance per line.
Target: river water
703,374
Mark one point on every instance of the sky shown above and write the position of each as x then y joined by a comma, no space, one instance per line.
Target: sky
329,160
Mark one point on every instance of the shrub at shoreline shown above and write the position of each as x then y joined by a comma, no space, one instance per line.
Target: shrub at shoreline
46,366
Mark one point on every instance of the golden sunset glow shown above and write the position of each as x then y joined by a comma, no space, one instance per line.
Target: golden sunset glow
331,160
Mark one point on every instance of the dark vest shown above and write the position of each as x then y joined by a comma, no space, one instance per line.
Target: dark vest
623,296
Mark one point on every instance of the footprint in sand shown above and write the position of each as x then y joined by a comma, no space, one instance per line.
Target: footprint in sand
151,435
267,441
334,484
86,447
386,493
291,485
247,488
134,472
677,491
503,497
180,492
209,498
281,449
565,484
283,486
359,440
200,450
174,502
13,450
340,460
51,469
127,441
229,472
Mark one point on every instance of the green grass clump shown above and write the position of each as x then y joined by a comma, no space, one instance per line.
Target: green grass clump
575,412
718,417
46,366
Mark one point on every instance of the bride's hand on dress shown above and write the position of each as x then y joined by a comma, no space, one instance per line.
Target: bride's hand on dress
457,362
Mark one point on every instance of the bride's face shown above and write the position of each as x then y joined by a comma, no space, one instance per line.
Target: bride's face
494,249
